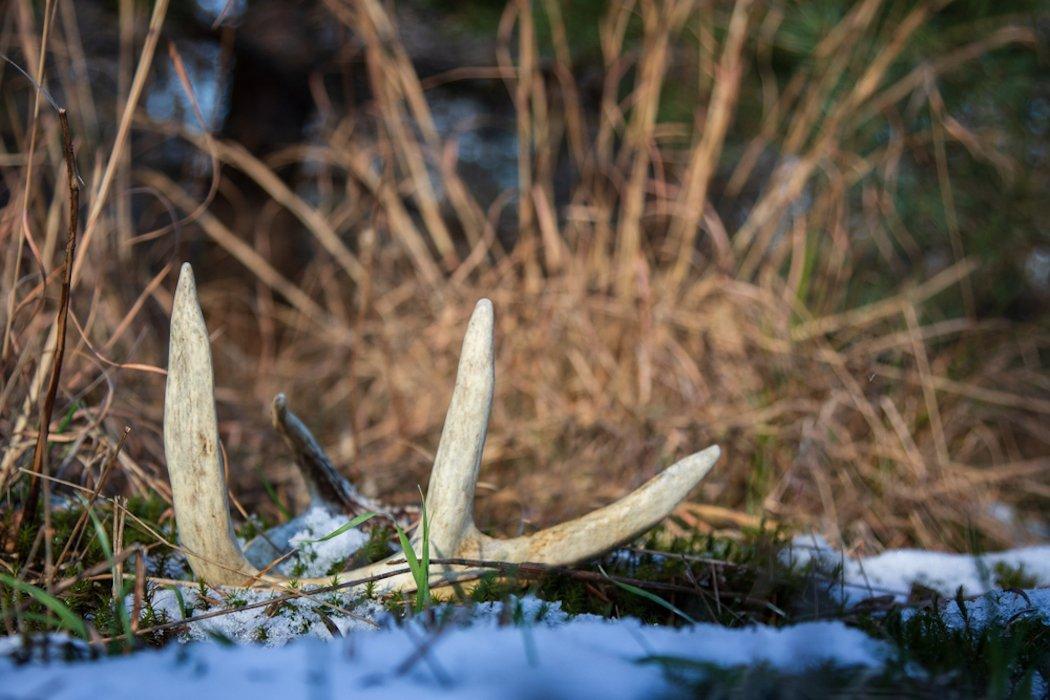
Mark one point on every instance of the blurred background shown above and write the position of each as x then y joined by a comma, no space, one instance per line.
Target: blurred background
813,232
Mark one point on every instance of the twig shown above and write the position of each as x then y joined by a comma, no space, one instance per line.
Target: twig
28,513
74,535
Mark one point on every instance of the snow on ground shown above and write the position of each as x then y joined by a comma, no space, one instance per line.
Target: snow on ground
578,658
1000,605
894,572
341,644
271,625
311,554
315,555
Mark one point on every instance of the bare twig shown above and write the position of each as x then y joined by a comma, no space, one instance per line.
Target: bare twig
40,461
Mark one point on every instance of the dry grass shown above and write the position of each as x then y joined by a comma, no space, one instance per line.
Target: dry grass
634,323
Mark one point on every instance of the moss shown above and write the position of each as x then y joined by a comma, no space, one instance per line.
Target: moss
929,660
77,546
1007,576
252,528
997,661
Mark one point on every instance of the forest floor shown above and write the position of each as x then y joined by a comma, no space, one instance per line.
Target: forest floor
906,621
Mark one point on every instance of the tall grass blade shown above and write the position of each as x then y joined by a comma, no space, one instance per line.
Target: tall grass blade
69,620
419,566
354,522
423,583
410,556
119,608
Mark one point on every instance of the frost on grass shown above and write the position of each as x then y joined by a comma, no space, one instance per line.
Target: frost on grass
323,615
316,615
330,615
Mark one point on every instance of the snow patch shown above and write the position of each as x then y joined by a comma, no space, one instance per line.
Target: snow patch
313,558
315,615
323,615
1000,606
894,572
576,658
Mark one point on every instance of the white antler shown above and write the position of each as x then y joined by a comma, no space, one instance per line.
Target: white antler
198,482
191,446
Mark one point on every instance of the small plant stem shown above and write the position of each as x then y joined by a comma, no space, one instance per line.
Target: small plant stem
74,536
40,462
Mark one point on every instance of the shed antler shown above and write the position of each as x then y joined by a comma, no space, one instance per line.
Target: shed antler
198,482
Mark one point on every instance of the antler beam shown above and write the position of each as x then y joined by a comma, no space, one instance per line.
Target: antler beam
198,480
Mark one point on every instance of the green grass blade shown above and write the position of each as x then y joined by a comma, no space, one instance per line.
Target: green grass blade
67,420
271,492
67,617
423,586
410,554
121,610
124,616
354,522
420,566
183,610
652,597
100,532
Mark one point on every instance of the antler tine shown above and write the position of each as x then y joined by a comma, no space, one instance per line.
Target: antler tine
450,495
326,486
191,447
603,529
450,498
